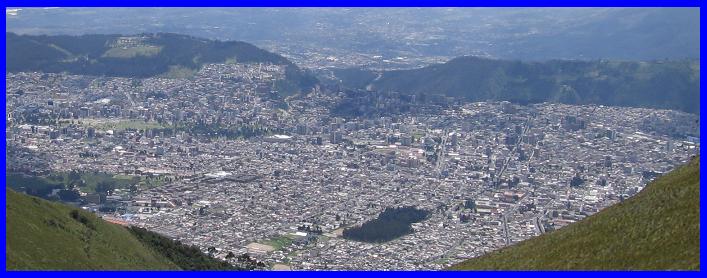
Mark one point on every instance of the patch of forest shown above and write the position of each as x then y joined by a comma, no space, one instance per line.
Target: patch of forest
392,223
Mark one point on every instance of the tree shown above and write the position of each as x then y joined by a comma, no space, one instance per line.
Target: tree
390,224
74,177
105,187
68,195
576,181
470,204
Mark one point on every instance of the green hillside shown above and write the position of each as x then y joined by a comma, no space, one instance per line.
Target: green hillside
44,235
139,56
52,236
656,84
659,228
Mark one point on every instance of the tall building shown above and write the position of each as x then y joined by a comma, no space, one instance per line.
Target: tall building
507,107
455,139
573,123
406,140
91,132
335,137
302,129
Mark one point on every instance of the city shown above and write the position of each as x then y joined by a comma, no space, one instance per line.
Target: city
224,161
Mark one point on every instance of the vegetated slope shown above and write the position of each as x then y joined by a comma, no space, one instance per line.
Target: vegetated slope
657,84
44,235
659,228
141,56
185,256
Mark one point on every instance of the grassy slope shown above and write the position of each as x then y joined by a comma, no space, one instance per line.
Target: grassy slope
43,235
659,228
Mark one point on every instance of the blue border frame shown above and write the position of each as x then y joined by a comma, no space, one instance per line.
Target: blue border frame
356,3
361,3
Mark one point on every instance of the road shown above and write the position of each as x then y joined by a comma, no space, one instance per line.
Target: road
442,153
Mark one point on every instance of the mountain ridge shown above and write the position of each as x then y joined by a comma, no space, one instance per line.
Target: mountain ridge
136,56
656,84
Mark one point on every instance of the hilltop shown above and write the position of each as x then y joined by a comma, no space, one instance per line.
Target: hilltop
655,84
44,235
657,229
139,56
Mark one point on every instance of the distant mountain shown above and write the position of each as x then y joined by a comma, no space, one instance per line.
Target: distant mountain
608,33
657,229
656,84
144,55
44,235
505,33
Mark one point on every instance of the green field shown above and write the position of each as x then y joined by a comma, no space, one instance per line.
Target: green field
51,236
34,185
119,125
92,180
146,182
131,52
88,182
179,72
279,242
657,229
